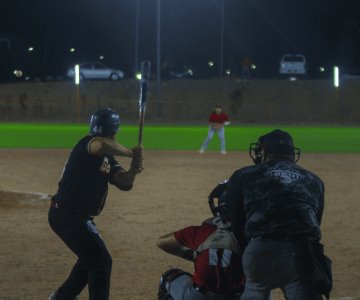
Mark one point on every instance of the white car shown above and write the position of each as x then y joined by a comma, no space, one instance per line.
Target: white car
96,70
293,64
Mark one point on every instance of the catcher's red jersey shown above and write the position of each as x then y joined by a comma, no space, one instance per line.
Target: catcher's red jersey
216,269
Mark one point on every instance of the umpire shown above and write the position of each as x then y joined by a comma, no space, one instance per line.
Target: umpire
81,195
276,208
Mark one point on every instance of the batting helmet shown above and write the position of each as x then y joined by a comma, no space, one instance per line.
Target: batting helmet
104,122
219,209
278,143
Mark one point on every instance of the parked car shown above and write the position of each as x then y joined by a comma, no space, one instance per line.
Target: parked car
96,70
293,64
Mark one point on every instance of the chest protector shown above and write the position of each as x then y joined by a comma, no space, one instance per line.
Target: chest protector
221,238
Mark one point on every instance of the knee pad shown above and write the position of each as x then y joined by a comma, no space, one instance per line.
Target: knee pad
165,279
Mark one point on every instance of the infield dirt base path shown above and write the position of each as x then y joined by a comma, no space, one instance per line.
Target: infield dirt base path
170,194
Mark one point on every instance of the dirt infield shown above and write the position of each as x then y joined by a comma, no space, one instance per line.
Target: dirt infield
171,193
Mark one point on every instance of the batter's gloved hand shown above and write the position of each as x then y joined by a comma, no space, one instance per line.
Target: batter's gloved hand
137,163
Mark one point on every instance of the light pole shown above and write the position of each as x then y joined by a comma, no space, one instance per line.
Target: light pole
77,91
136,46
336,85
221,65
158,57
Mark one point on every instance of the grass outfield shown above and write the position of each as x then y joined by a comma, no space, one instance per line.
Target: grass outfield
238,137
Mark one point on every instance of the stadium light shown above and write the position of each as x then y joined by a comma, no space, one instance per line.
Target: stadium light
336,76
77,74
18,73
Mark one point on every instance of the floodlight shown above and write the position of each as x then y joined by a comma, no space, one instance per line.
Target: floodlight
18,73
77,74
336,76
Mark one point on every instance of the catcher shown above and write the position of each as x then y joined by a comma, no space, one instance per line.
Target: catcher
81,195
216,255
217,120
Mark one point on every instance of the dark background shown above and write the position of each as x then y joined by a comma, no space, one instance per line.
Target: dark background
327,32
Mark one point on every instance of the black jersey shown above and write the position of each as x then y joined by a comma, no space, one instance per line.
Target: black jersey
84,183
277,197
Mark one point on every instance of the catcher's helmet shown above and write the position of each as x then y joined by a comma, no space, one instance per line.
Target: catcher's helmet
278,143
104,122
219,209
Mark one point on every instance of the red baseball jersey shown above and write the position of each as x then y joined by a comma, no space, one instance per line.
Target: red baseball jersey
216,269
218,118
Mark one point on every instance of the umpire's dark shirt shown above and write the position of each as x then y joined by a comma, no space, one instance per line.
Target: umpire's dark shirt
84,183
275,198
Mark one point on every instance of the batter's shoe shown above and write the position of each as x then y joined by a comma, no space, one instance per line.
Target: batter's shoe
53,296
223,152
201,151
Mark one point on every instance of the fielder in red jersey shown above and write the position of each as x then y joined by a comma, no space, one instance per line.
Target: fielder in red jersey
217,120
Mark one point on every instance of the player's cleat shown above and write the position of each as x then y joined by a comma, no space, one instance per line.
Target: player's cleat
54,293
223,152
201,151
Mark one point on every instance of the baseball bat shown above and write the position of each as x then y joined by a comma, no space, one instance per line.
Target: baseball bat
144,85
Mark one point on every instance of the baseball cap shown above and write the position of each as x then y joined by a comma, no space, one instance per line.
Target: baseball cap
278,142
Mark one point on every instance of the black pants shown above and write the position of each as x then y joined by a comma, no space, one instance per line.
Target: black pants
93,266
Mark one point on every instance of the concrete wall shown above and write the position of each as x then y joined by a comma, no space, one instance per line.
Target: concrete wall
255,101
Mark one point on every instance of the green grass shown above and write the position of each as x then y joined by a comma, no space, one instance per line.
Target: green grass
238,137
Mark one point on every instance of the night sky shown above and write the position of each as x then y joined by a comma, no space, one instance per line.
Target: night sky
327,32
